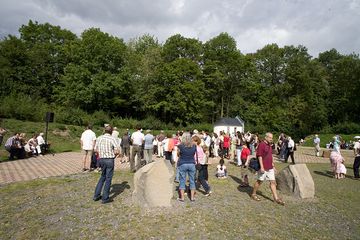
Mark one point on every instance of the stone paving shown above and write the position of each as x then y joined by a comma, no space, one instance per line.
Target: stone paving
71,163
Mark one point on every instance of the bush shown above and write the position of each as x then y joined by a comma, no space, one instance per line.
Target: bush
124,123
99,118
23,107
72,116
346,128
152,123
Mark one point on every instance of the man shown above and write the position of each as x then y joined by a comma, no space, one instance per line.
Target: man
125,147
41,143
88,139
107,148
137,139
356,164
12,146
317,145
148,147
267,168
160,138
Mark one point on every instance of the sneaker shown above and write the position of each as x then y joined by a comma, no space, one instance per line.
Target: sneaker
208,193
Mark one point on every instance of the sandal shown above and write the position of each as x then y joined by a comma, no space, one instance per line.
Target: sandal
280,202
244,185
255,197
180,200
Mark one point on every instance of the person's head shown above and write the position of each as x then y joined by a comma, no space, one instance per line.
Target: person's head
186,139
269,137
41,134
108,129
89,126
244,145
197,140
221,162
148,131
169,135
316,135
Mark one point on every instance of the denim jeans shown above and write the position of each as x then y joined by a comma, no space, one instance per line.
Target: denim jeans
107,172
187,169
202,178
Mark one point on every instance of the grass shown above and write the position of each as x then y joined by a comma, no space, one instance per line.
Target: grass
62,208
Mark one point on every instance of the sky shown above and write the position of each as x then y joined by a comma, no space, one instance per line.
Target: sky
319,25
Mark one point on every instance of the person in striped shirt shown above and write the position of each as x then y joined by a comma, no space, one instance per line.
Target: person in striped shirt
107,148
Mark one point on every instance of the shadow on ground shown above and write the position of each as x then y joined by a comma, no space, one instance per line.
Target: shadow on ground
248,189
117,189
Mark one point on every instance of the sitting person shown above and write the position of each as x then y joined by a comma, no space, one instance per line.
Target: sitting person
41,143
31,147
221,171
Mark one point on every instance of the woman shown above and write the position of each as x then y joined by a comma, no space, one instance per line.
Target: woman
336,159
186,165
200,157
226,145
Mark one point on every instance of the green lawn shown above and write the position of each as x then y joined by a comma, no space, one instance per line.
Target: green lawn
62,208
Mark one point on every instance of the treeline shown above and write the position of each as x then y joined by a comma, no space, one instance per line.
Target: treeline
182,81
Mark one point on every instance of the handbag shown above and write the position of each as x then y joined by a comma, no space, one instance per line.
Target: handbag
254,164
197,165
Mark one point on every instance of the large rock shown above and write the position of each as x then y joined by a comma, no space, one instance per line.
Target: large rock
154,184
296,180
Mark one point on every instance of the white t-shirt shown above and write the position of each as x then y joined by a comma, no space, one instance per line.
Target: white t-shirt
87,138
219,170
40,140
137,138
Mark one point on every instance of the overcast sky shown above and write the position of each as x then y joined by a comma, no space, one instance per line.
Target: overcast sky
319,25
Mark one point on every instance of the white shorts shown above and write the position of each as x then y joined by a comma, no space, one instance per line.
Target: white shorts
267,175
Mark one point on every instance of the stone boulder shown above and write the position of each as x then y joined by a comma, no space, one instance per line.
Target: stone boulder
154,184
297,181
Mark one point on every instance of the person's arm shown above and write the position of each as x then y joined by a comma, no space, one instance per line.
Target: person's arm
262,169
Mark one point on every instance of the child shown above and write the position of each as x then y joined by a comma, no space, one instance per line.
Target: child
245,157
221,171
342,170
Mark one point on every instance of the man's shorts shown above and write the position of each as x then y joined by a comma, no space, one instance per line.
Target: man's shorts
86,152
267,175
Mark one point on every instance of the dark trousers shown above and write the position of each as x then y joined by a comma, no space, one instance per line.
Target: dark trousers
107,172
291,154
202,178
168,155
356,167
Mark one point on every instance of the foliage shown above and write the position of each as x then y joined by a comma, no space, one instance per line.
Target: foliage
97,77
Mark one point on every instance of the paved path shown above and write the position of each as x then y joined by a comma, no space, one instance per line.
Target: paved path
71,163
45,166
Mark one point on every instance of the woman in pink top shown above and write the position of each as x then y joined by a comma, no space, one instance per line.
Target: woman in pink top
200,157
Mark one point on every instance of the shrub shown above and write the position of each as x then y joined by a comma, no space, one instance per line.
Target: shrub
346,128
23,107
72,116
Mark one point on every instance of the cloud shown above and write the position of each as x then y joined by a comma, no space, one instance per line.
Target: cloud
319,25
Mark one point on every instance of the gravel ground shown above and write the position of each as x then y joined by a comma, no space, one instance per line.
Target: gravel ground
62,208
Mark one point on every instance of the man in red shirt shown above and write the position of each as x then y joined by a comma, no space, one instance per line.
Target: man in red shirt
267,168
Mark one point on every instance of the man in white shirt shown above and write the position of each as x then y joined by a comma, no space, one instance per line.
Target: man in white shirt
137,139
88,139
41,143
317,145
356,146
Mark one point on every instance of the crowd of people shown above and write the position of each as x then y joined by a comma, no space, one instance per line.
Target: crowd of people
188,152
